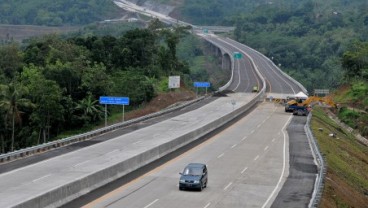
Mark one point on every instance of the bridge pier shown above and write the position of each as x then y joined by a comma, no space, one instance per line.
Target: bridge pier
226,62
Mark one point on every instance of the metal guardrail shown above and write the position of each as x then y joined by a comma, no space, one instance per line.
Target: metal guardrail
319,184
263,90
282,72
81,137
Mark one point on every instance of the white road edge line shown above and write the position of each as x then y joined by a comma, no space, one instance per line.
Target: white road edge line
43,177
115,150
81,163
137,142
220,155
228,185
256,158
244,170
283,165
207,205
150,204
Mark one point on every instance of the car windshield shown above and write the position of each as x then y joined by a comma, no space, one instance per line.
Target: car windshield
192,171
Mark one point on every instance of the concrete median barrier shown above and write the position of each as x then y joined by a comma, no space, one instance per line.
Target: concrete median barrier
80,186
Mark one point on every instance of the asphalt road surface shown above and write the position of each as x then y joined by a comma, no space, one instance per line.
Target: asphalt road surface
298,188
247,165
276,82
6,167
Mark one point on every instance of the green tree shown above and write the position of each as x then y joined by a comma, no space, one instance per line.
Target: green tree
96,80
47,96
91,109
10,60
355,61
135,49
11,99
3,128
134,85
66,76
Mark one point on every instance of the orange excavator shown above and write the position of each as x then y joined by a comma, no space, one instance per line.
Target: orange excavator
303,106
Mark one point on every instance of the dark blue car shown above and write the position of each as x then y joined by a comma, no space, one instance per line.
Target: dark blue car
194,176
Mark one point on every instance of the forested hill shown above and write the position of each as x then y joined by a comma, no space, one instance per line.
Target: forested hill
56,12
307,38
52,85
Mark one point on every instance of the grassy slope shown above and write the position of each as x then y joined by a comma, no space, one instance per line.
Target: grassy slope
347,160
353,101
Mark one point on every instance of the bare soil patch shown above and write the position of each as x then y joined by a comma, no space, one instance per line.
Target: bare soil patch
161,102
337,193
21,32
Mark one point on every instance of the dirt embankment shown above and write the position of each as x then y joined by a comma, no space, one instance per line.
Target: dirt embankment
162,101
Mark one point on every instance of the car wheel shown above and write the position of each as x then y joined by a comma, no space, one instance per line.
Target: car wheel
201,187
205,184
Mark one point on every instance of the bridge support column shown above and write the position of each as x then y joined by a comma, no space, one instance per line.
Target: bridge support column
226,62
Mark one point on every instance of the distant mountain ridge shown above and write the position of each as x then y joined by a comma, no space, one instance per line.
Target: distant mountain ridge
57,12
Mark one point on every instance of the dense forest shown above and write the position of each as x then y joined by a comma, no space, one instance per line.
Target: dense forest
53,84
306,38
321,44
353,95
57,12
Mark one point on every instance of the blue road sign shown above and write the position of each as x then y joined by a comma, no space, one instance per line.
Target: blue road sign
201,84
114,100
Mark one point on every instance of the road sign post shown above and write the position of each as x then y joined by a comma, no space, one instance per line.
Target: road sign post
174,82
114,101
233,102
202,85
105,115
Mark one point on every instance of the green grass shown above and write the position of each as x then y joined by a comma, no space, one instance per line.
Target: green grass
345,156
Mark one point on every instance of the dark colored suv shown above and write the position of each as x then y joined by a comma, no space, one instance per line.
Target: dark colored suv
194,176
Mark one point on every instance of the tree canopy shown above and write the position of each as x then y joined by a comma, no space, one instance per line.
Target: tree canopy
53,84
59,12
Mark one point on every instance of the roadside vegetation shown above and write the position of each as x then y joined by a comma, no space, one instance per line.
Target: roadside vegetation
346,182
352,96
51,85
306,38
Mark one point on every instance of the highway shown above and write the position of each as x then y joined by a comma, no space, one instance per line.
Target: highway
67,174
248,161
245,76
277,84
247,166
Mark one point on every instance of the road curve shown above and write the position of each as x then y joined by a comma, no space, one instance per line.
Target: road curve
277,82
249,157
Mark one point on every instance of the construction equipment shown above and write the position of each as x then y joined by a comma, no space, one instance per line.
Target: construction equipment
303,106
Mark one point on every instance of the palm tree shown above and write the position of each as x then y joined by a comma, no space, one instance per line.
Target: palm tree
3,127
10,100
90,107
